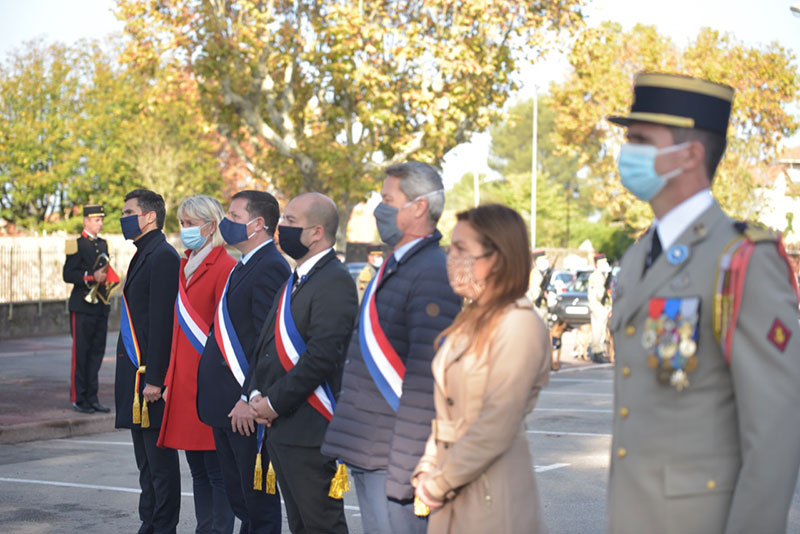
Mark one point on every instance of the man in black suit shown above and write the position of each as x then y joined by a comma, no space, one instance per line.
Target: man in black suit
294,397
248,226
143,350
85,268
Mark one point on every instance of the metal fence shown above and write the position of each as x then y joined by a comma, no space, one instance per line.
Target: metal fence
31,267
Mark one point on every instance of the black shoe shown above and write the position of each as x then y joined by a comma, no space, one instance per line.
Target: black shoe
81,408
99,407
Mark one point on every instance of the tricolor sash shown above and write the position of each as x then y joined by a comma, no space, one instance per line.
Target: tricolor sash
383,363
131,344
227,340
290,346
193,326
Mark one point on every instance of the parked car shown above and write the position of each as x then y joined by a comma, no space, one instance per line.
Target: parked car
559,281
572,306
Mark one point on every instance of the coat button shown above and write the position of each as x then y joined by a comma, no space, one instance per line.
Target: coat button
626,371
623,412
621,452
450,401
630,330
711,485
446,445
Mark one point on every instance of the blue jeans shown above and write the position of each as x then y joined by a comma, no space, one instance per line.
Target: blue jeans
379,514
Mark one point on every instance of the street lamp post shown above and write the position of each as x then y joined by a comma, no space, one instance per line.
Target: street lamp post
534,164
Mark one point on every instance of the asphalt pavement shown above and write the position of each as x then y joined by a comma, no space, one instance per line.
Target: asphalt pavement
77,474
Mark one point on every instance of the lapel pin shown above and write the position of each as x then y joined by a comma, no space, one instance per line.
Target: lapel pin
677,254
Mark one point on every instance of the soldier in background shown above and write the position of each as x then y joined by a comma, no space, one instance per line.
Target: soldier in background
374,262
599,306
538,282
86,268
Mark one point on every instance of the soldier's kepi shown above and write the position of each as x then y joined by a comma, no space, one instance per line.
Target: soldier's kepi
706,431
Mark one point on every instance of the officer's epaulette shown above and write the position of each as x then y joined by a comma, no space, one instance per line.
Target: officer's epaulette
756,232
70,246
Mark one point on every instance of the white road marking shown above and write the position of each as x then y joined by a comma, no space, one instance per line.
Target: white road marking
91,442
557,433
543,468
105,488
597,380
570,410
578,393
586,368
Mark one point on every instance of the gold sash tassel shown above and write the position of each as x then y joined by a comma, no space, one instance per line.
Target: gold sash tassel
141,416
258,474
271,488
145,414
420,508
340,484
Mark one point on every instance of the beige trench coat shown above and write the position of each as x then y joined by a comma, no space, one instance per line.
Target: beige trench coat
477,458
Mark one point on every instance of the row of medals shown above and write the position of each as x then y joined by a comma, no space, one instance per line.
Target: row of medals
672,350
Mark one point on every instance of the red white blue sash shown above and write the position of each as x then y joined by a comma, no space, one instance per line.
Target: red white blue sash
128,334
227,340
290,346
383,363
192,325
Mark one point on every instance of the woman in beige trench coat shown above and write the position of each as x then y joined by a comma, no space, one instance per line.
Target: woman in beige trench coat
477,472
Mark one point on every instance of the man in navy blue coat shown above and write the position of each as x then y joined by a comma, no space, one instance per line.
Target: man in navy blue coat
143,350
381,422
248,226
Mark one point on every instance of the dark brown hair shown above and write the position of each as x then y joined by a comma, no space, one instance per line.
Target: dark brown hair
503,232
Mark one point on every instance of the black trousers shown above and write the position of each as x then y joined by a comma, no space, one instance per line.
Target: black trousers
88,347
304,475
211,506
259,512
160,480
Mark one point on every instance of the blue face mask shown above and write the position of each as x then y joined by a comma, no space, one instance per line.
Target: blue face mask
130,226
638,172
191,237
233,232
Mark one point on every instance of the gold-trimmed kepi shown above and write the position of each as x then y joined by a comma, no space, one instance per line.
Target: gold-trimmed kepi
682,101
94,210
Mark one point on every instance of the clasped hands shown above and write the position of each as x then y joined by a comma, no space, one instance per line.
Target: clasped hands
422,495
244,416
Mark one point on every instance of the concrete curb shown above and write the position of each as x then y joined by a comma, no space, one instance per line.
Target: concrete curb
61,428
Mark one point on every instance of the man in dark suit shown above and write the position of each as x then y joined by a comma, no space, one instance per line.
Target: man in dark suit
143,350
295,376
85,268
248,226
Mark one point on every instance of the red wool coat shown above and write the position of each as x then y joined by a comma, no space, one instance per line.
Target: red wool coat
181,427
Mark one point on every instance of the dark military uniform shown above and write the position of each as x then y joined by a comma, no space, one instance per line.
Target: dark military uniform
88,322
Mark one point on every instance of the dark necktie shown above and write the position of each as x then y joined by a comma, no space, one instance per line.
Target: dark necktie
655,251
296,283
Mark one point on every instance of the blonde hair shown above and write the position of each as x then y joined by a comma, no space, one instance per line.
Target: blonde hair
205,209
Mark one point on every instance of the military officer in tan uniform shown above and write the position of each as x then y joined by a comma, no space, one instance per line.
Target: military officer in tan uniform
705,325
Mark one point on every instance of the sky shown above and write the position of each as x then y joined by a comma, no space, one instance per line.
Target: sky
753,22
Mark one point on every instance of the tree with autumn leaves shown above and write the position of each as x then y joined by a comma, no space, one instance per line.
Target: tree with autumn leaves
76,127
328,94
604,61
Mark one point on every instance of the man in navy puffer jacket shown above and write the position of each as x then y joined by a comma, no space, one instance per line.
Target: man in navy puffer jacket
384,411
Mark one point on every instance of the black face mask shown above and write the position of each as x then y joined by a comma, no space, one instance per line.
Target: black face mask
290,241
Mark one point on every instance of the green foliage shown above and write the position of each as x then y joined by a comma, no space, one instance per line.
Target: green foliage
77,128
604,62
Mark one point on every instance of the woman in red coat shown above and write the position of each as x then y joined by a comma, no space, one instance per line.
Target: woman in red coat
203,274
